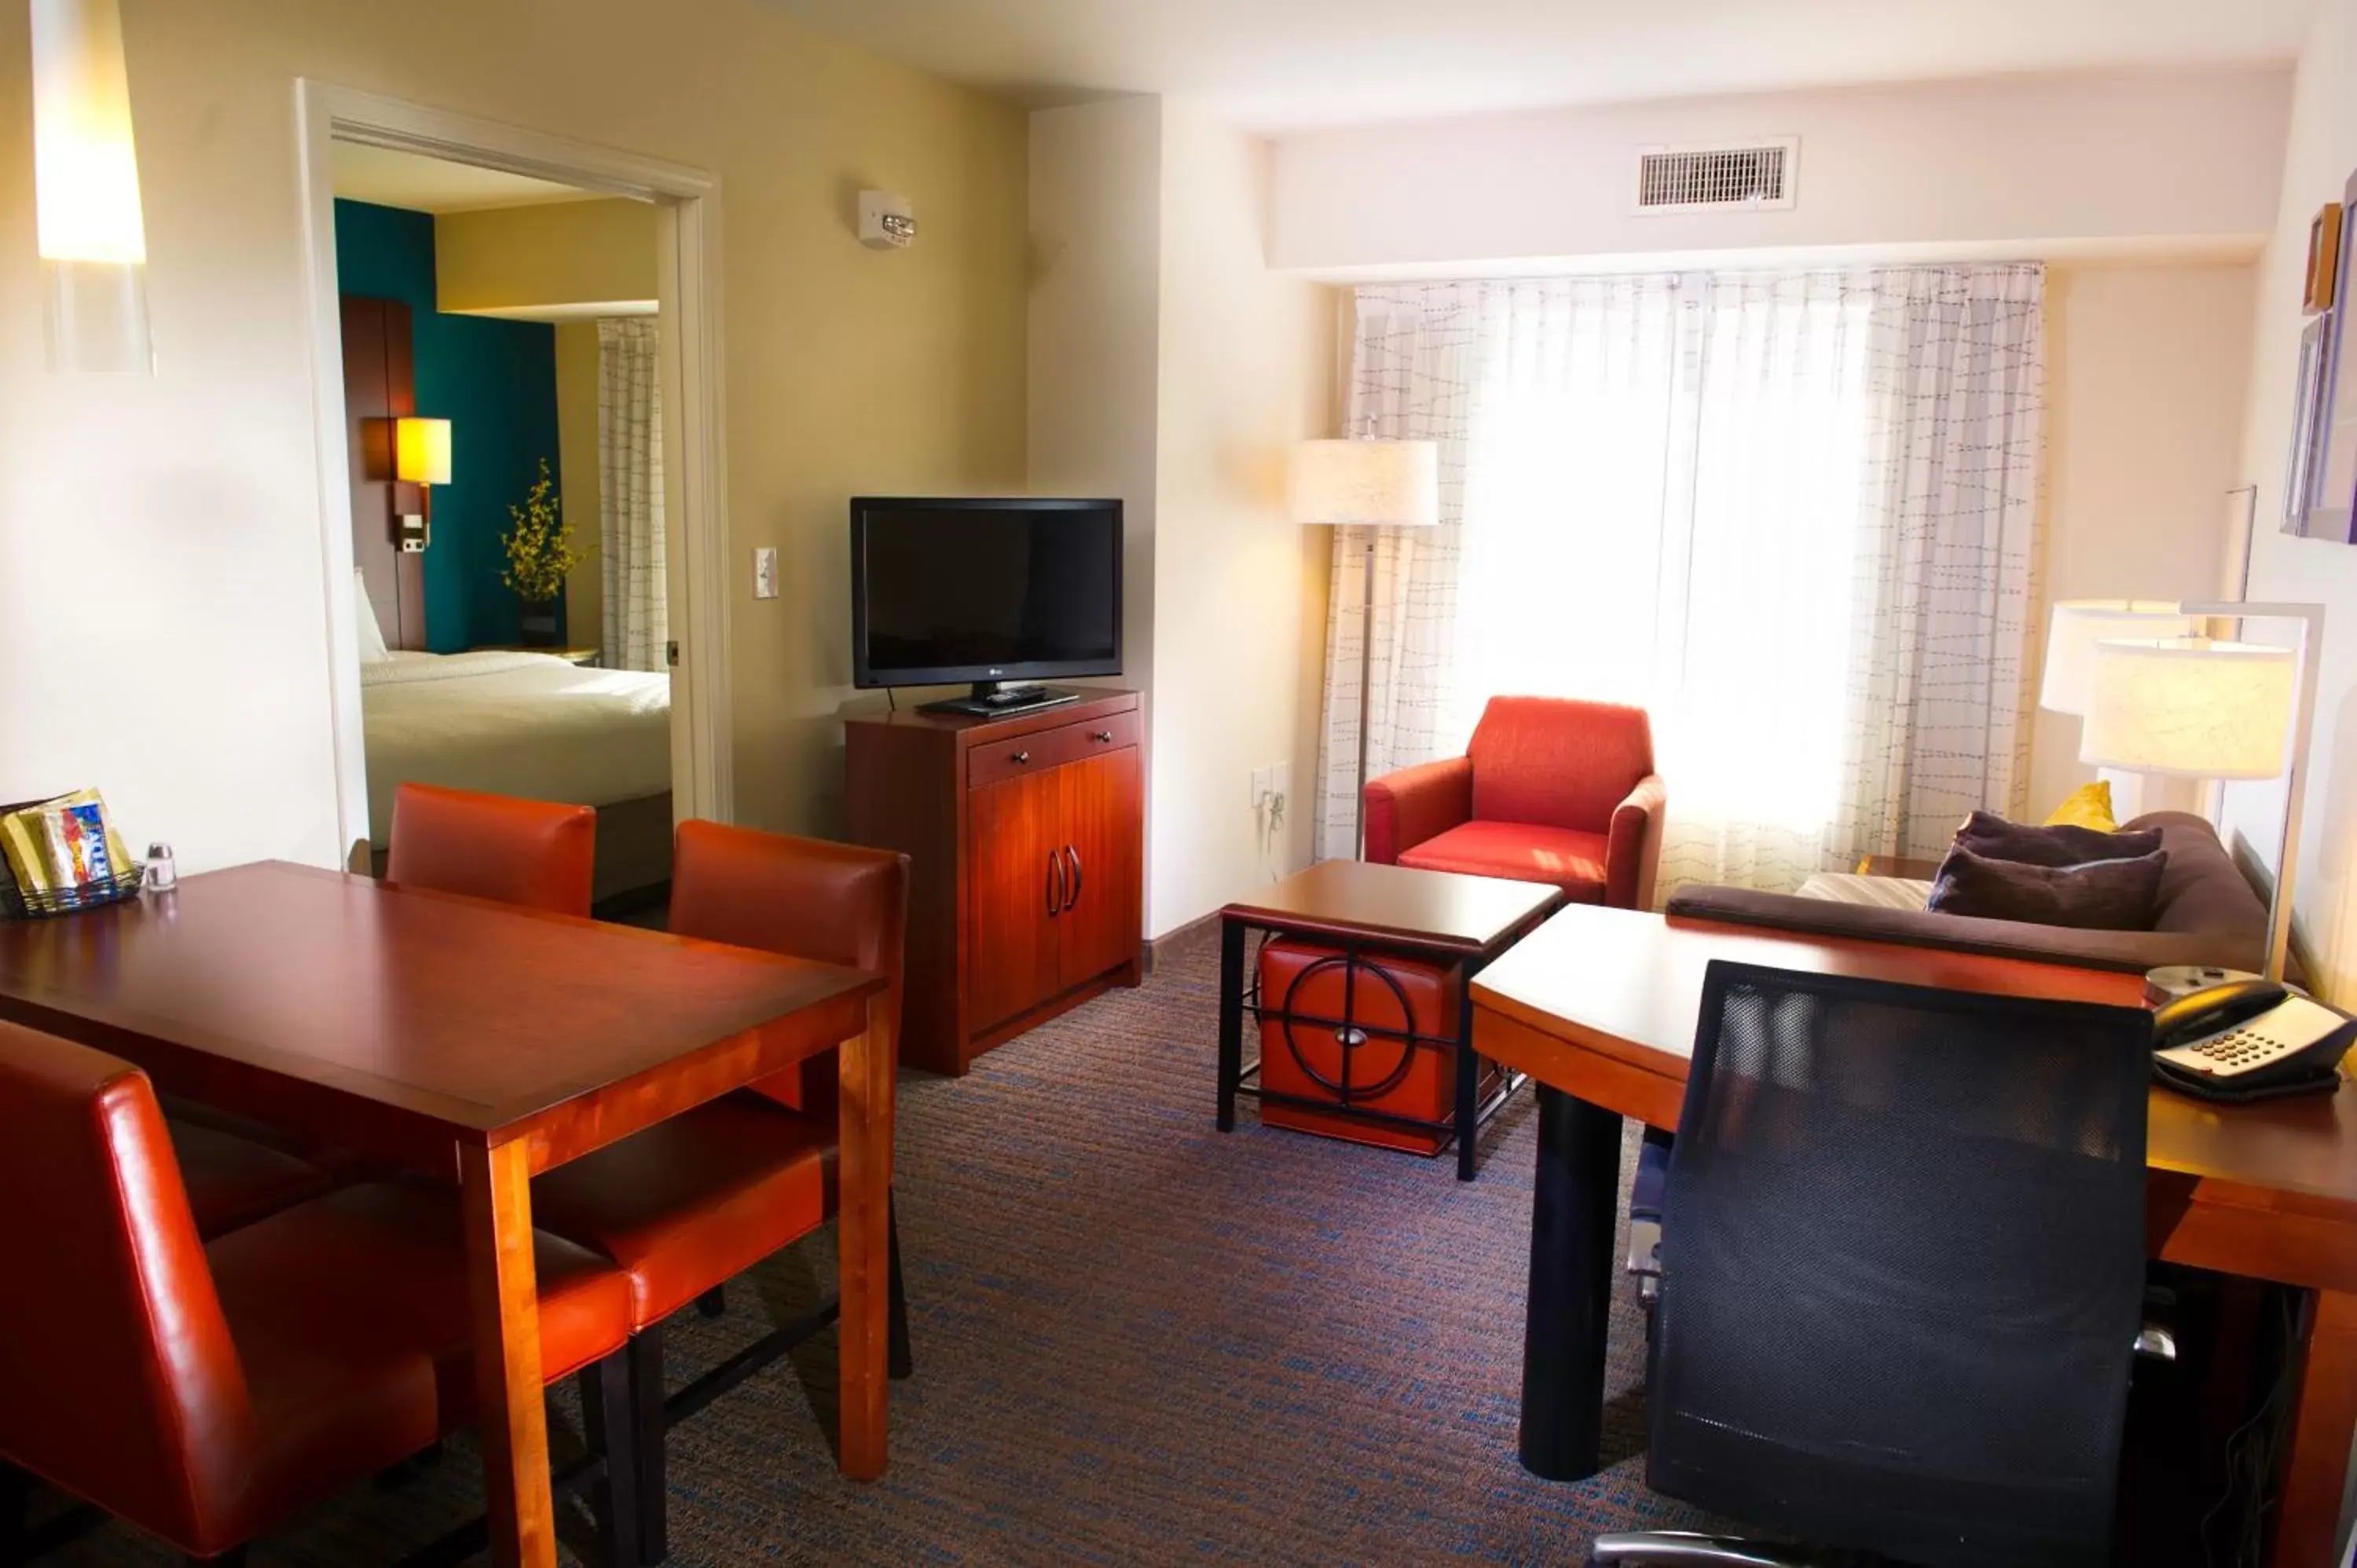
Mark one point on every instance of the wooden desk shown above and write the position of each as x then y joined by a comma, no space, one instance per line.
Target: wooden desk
483,1044
1600,1007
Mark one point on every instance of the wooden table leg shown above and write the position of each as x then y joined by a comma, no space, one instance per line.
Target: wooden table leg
497,1187
1575,1206
2323,1418
864,1175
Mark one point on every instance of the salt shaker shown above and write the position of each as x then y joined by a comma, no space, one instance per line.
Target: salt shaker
162,876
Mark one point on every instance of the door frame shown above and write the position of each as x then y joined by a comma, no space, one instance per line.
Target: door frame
688,202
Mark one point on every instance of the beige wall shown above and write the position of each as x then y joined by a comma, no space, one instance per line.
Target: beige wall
2145,373
1095,250
162,538
568,254
1246,356
2321,153
1170,366
1959,167
576,445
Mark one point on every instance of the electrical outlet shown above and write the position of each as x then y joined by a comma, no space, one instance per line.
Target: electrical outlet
1280,782
1259,788
765,573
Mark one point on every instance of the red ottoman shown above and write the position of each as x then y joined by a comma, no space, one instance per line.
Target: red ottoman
1377,1070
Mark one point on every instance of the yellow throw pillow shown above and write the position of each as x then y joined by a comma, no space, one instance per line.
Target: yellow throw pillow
2090,806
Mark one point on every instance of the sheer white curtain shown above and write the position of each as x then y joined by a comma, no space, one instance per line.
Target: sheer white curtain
1789,514
630,496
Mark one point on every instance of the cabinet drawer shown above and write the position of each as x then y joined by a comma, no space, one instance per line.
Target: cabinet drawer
1043,749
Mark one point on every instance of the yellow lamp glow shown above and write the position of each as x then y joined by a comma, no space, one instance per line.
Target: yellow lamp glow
93,242
421,451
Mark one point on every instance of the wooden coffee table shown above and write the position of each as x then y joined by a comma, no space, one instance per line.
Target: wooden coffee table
1438,916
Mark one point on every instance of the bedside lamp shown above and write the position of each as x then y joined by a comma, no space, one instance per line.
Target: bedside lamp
2193,708
1366,484
421,456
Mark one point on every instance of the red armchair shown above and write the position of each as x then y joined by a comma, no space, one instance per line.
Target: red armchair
1550,789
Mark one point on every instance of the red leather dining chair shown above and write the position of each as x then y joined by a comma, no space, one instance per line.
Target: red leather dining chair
205,1392
692,1202
1550,789
536,854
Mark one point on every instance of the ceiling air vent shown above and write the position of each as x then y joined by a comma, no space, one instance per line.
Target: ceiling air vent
1758,175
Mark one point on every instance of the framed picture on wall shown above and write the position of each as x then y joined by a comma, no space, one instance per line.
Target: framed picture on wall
2299,478
2331,489
2320,286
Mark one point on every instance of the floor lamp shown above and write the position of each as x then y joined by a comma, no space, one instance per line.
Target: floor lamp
2193,708
1366,484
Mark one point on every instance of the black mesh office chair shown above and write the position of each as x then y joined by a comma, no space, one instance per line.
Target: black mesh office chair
1902,1266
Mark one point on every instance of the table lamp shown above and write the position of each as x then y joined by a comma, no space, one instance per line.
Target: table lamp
421,456
2072,632
1366,484
2193,708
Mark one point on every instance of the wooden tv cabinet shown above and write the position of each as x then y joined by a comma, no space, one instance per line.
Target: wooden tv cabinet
1026,838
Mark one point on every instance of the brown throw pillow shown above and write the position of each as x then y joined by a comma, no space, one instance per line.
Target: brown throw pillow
2099,896
1991,837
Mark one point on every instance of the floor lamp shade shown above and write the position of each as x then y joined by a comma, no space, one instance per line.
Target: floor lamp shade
2077,625
92,236
2189,707
1366,484
1382,484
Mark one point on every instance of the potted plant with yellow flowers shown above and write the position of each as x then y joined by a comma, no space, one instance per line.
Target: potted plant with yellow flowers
541,554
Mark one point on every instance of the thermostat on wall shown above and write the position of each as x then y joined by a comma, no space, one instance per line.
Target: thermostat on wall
885,221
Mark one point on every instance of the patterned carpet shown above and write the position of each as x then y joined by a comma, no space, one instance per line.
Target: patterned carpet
1137,1341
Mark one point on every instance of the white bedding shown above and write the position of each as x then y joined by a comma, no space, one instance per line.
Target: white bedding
513,724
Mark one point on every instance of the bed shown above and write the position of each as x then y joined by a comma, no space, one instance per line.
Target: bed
533,725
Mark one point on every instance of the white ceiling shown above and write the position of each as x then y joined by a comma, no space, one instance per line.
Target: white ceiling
421,183
1284,64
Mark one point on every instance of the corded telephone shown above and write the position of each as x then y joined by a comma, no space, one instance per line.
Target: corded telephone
2249,1040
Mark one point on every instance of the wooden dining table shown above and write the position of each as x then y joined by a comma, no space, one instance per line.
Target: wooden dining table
480,1044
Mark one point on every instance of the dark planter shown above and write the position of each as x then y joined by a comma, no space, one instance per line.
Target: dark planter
537,627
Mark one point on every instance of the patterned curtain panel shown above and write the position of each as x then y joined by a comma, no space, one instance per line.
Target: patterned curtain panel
631,495
1791,515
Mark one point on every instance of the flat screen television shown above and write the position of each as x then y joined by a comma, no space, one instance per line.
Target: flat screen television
986,592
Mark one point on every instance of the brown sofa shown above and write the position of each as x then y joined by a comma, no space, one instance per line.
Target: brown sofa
2206,914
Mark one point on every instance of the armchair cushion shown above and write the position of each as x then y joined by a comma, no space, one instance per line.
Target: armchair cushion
1405,808
1520,852
1557,761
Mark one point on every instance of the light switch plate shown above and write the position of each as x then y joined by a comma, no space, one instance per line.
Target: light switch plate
765,573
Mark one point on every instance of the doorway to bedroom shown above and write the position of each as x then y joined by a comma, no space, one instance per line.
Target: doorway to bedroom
500,345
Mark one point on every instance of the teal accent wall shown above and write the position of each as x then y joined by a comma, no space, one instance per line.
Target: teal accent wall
495,381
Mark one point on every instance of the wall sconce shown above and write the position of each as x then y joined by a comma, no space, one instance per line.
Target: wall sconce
421,456
887,223
93,243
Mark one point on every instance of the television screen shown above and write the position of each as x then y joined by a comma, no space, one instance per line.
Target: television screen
983,590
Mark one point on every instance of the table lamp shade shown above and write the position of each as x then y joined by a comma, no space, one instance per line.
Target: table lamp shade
2076,627
421,451
1386,483
2188,707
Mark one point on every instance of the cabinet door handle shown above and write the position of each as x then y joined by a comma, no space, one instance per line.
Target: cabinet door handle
1105,735
1074,856
1055,888
1020,757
